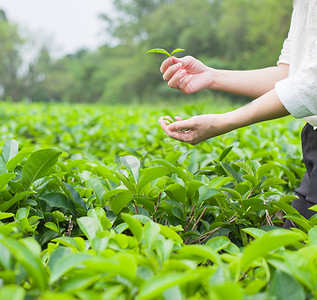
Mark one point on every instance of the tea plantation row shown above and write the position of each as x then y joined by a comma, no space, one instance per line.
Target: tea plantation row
97,203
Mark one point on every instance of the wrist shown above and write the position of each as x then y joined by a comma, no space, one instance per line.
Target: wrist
213,78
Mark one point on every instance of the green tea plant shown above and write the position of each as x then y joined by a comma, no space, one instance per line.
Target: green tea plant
105,206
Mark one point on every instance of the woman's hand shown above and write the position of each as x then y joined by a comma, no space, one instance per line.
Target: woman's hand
187,74
194,130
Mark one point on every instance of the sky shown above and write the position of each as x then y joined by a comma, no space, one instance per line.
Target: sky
68,25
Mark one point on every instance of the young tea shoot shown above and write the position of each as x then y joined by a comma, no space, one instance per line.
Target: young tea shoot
168,121
163,51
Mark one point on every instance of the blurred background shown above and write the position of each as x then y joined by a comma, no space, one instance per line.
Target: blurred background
95,51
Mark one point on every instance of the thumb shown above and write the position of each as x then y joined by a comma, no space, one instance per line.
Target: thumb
176,60
180,125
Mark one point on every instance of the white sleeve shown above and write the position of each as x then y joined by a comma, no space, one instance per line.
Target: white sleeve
298,93
285,53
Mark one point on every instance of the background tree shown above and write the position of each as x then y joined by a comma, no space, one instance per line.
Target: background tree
232,34
10,59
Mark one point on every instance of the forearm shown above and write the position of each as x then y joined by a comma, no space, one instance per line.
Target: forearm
264,108
252,83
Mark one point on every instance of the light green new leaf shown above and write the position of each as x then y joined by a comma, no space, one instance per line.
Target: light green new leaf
228,290
79,282
270,241
202,251
89,226
66,263
120,201
134,225
10,149
272,181
176,192
31,263
299,220
170,234
218,243
12,292
98,189
3,167
181,173
4,179
133,165
177,50
66,241
266,168
159,50
154,287
38,165
312,234
244,166
254,232
4,215
151,174
14,161
52,226
192,187
122,264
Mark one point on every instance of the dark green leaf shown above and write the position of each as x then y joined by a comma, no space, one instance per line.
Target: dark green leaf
58,200
225,153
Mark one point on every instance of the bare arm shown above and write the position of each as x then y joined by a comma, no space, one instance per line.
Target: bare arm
189,75
253,83
202,127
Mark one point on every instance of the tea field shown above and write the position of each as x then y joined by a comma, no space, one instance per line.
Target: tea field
96,202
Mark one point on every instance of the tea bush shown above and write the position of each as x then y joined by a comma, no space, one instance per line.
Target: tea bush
97,203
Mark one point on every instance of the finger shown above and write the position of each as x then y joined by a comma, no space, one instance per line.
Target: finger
177,78
171,71
165,127
177,118
186,61
184,84
166,64
183,136
180,126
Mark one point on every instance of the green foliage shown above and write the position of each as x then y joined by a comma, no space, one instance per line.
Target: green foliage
223,34
105,206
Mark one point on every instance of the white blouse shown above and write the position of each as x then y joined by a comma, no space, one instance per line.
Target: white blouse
298,92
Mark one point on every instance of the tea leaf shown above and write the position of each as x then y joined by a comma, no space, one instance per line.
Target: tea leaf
177,50
159,50
38,165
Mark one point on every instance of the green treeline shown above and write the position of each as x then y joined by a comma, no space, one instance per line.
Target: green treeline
232,34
